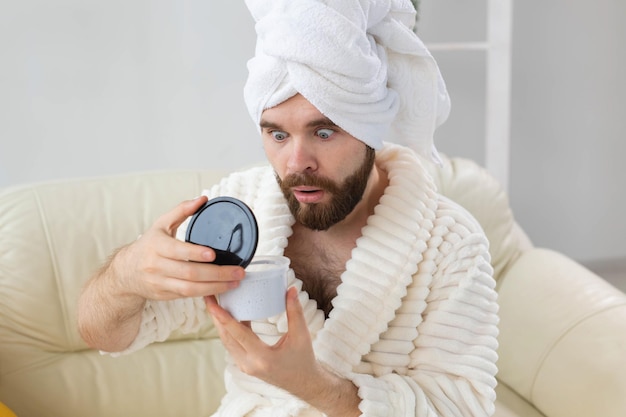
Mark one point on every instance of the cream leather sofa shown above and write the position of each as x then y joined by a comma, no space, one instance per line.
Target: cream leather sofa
563,329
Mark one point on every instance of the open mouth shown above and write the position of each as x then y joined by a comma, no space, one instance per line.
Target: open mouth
308,195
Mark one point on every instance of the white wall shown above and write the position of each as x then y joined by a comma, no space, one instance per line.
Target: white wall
567,180
101,87
92,87
569,125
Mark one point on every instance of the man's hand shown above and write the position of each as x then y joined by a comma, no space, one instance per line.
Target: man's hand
157,267
290,364
154,267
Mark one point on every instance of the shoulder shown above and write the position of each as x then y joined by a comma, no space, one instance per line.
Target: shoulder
458,237
448,208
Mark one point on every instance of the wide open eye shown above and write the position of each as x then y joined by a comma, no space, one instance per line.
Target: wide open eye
278,135
324,133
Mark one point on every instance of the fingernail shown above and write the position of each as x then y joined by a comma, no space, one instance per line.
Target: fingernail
215,312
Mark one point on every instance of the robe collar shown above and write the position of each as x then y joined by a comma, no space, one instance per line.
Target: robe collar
383,262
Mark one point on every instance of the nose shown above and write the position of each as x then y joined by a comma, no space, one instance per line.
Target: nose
301,157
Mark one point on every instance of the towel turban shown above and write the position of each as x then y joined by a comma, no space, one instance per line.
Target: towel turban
359,62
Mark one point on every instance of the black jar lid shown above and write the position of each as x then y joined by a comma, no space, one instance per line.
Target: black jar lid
228,226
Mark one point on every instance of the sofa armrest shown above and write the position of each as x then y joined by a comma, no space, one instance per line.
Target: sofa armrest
562,337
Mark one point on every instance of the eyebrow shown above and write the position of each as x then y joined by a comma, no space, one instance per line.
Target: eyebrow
321,121
266,124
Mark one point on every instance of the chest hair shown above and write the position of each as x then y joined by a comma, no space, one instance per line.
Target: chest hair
319,267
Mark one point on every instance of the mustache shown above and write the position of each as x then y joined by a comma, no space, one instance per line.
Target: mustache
305,179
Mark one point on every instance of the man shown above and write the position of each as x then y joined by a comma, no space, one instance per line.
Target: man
392,309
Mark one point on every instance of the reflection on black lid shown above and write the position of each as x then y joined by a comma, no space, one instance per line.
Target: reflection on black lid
228,226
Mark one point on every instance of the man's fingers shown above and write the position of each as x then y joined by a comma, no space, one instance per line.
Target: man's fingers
235,334
210,300
295,314
198,271
184,251
175,217
169,287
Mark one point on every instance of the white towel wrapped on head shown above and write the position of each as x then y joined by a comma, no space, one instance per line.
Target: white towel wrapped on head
357,61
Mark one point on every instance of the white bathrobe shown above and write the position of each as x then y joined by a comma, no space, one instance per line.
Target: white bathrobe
414,322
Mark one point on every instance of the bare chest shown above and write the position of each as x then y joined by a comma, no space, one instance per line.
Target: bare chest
319,266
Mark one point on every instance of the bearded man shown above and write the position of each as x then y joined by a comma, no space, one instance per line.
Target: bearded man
391,309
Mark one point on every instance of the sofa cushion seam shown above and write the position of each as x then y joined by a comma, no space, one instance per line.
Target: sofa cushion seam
556,341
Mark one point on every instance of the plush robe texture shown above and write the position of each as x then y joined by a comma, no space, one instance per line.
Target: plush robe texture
414,322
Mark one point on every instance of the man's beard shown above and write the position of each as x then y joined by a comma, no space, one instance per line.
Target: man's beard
344,197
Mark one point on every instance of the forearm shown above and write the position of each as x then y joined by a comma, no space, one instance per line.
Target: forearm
108,316
330,394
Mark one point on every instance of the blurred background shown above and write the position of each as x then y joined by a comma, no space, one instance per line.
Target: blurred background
90,88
